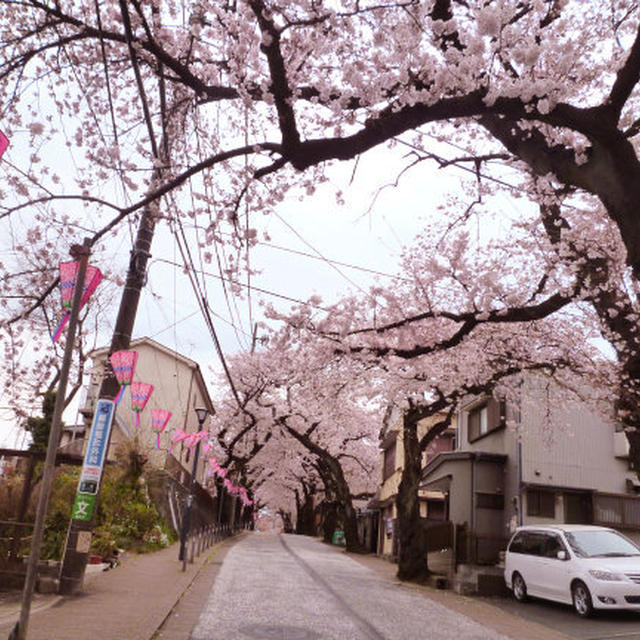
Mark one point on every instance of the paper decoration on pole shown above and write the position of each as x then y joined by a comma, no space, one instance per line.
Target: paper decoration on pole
124,365
140,394
4,143
68,276
159,419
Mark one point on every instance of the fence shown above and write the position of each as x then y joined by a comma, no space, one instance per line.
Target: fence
201,538
472,548
15,538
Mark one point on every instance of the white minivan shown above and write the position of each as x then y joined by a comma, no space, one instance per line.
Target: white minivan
587,566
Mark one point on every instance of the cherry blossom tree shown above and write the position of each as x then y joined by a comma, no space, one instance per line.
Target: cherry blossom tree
313,423
462,321
241,100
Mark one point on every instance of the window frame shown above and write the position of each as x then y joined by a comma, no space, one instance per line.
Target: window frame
389,460
535,508
495,412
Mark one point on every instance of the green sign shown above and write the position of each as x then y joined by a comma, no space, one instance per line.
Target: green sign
83,507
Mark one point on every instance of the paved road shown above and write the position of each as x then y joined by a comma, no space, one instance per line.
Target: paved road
608,625
293,588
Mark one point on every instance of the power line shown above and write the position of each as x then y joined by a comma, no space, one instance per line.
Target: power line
321,258
253,287
204,305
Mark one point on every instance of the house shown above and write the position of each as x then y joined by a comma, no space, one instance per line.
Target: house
179,387
545,459
432,501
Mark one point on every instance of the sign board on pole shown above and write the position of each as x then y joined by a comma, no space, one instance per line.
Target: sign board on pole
94,460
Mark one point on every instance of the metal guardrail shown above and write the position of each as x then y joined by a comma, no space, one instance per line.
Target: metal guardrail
202,538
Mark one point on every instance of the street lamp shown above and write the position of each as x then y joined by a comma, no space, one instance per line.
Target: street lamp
202,414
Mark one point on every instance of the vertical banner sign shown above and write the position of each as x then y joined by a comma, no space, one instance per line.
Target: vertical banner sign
94,461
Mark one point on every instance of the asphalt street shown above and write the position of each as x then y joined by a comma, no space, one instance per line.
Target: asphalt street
292,588
603,625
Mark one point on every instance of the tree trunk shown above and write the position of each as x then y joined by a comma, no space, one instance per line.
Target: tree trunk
351,529
330,471
23,507
339,487
305,524
329,520
412,556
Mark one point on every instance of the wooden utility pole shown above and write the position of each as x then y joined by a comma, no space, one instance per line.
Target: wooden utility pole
76,556
82,255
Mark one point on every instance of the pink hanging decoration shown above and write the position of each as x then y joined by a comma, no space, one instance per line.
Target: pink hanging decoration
159,420
68,276
179,435
140,394
124,365
4,143
92,279
216,468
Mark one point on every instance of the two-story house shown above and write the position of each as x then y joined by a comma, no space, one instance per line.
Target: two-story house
544,459
179,387
432,502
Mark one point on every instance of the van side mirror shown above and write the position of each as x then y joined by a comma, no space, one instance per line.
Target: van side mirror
561,555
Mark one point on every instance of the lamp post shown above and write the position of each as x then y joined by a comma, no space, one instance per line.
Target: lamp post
202,414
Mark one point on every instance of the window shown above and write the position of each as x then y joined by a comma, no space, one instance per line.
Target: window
530,543
485,418
489,500
477,422
444,442
541,503
389,462
436,510
551,547
617,511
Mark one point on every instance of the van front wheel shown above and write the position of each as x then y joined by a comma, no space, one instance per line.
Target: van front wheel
581,597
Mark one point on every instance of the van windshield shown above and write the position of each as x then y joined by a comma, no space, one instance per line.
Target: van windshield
601,544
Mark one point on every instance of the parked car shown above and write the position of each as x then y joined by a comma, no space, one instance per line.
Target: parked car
587,566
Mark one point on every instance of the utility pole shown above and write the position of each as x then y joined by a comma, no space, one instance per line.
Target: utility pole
80,253
76,553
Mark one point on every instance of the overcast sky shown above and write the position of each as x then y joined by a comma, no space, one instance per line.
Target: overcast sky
308,237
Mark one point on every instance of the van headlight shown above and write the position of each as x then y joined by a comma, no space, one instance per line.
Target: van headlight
601,574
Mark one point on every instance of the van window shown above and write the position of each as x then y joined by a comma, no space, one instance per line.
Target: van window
532,543
552,545
517,545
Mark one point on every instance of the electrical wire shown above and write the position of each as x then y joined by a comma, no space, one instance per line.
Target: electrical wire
203,303
242,284
320,255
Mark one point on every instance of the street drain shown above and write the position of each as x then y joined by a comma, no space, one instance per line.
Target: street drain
277,632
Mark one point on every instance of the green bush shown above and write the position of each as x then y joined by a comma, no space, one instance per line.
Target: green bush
125,517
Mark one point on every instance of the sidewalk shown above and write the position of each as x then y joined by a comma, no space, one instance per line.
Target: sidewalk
148,597
134,601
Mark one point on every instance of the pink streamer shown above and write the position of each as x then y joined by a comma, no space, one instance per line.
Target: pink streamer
120,394
4,143
61,325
